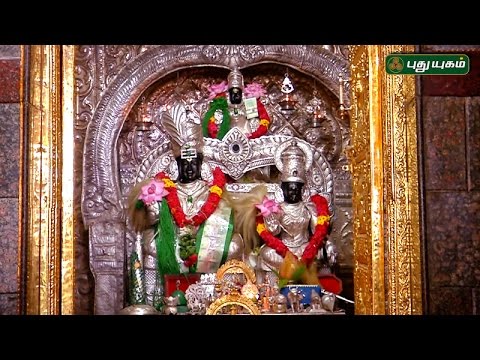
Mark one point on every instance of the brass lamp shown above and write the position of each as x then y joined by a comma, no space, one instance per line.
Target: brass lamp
344,111
143,121
319,115
287,102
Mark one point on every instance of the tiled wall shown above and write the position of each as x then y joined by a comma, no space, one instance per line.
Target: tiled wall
9,173
450,119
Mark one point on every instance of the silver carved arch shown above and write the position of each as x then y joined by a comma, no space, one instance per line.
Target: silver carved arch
101,196
102,204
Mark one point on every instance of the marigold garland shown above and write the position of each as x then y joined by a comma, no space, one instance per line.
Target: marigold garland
207,209
203,214
316,240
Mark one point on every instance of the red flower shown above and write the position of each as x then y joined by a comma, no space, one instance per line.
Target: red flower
212,130
191,260
161,175
219,177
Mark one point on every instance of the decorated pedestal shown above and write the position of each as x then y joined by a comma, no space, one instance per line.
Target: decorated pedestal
302,292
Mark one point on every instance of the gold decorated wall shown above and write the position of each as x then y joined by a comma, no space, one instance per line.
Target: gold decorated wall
387,251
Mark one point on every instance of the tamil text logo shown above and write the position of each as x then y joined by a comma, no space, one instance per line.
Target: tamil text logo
428,64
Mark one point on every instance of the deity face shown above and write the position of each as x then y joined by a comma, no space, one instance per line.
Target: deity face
292,191
189,169
235,95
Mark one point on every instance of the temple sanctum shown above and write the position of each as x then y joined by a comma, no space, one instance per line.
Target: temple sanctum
239,179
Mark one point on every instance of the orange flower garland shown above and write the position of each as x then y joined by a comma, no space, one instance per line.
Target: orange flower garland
204,213
207,209
316,240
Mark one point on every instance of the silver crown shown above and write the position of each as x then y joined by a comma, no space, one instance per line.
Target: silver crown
185,131
235,79
293,159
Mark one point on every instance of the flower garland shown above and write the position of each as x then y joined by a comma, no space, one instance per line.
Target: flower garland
257,90
207,209
215,194
264,121
210,127
316,240
218,131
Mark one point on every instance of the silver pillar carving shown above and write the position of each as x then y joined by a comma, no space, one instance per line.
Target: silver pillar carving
107,254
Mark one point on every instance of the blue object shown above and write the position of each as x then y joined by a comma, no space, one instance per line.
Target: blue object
305,290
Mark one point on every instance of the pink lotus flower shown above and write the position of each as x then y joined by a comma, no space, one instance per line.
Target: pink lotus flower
153,191
216,89
254,90
268,207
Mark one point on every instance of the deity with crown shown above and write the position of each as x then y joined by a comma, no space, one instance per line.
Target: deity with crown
183,225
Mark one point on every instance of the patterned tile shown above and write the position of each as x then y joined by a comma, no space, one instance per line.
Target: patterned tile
453,238
10,80
9,51
473,142
9,304
9,149
450,301
444,143
8,245
455,85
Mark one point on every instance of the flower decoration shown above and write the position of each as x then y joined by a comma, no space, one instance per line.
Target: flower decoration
213,128
153,191
187,242
264,121
268,207
207,209
216,121
254,90
191,260
316,240
216,128
217,89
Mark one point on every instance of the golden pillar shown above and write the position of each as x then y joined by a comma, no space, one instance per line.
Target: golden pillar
47,170
387,274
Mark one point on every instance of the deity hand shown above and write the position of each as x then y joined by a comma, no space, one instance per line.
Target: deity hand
328,254
273,224
143,203
237,248
153,212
